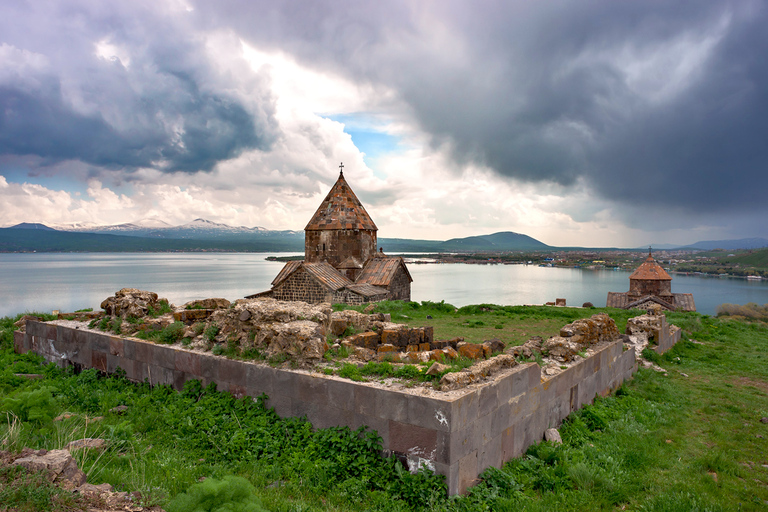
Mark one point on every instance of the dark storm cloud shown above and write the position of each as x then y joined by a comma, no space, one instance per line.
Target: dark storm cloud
650,103
160,108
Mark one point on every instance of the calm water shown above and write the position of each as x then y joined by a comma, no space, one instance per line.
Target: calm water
44,282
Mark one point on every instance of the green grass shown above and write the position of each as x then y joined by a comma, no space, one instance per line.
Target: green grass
513,325
655,445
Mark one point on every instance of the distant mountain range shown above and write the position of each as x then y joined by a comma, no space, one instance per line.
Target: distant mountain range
154,234
728,245
204,235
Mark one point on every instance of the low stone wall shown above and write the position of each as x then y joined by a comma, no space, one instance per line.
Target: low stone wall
458,434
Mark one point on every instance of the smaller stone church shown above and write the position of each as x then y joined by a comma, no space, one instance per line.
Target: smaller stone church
650,284
341,263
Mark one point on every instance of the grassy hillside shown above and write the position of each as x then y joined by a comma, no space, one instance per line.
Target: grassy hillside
504,241
687,439
757,259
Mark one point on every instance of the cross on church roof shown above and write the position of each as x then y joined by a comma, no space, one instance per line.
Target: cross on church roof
341,169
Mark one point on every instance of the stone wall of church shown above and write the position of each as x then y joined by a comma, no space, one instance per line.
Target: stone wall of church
642,287
301,286
400,287
336,245
350,297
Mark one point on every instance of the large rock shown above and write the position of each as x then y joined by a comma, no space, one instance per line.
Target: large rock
528,350
207,304
476,372
59,464
300,339
130,302
341,320
561,348
650,325
265,310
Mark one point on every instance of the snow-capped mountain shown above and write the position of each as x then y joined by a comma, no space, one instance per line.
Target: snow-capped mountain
154,227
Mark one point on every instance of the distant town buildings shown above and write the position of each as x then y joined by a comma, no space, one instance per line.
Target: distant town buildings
341,263
650,284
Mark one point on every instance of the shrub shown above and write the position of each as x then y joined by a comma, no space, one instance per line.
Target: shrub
230,494
211,332
751,311
36,405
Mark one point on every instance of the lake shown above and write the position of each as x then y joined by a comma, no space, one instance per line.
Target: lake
69,281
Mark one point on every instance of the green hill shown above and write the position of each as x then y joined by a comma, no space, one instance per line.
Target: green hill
503,241
757,259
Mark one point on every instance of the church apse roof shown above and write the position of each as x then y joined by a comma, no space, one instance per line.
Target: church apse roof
380,271
341,209
649,270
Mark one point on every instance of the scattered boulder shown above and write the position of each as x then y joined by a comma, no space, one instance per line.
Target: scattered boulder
130,302
494,345
59,464
437,368
588,305
476,372
553,435
528,349
561,348
471,350
215,303
120,409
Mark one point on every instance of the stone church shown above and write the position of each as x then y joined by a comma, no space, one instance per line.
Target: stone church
341,263
650,284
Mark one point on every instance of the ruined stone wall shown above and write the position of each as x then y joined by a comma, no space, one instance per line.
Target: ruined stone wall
336,245
303,287
458,435
400,287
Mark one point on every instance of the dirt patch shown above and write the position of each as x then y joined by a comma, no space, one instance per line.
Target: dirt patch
759,384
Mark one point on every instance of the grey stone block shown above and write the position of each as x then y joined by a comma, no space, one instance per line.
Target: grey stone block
164,356
418,441
282,404
429,412
381,426
258,380
340,394
391,405
460,443
482,430
365,401
232,372
209,369
464,410
284,382
99,342
188,362
142,351
501,419
487,399
489,454
159,375
467,473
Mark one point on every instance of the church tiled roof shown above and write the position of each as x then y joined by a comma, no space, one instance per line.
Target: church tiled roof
341,209
380,271
649,270
322,271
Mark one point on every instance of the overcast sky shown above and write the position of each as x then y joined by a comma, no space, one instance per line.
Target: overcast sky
577,123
